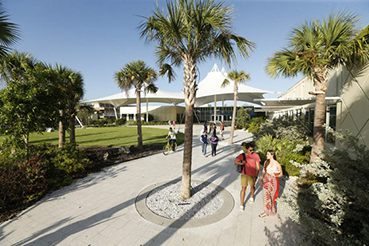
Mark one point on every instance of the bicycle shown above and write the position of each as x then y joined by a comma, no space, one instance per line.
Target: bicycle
168,147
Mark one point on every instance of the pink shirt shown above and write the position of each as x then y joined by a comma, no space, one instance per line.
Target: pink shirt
251,167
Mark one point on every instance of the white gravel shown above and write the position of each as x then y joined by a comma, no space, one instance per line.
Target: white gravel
167,201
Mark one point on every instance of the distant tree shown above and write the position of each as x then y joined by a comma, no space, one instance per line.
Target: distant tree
136,75
315,48
188,33
27,103
70,87
8,33
75,87
235,77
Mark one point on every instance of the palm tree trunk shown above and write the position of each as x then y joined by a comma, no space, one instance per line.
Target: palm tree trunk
190,96
318,133
61,130
72,134
139,125
233,113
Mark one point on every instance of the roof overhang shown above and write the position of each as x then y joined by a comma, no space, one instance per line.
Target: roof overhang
277,104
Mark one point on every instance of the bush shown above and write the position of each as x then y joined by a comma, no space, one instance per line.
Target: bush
22,182
333,200
286,150
120,121
254,124
242,119
25,180
71,161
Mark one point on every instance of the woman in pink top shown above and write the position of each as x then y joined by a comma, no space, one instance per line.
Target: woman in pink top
271,172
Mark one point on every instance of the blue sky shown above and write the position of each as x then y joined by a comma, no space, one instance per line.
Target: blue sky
98,37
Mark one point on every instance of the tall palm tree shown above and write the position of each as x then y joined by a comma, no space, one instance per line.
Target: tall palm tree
75,94
149,88
8,33
70,86
315,48
237,77
136,75
61,75
187,32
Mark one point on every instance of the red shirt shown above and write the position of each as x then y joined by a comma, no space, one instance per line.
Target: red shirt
251,160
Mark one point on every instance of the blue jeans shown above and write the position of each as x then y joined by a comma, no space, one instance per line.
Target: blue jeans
204,146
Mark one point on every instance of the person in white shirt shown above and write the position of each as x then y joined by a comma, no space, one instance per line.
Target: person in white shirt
272,171
172,136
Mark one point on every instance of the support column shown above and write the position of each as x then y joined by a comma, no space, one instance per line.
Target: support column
215,108
115,112
327,116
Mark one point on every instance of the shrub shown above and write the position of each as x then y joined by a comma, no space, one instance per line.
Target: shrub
333,200
254,124
242,118
22,182
120,121
71,161
286,153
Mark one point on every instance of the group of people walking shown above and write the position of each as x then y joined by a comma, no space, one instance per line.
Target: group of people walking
210,136
250,175
269,179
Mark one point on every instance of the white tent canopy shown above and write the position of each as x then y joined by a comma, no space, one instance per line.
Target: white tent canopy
209,90
123,98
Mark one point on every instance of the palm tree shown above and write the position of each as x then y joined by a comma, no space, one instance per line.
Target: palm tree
8,33
187,33
149,88
75,94
237,77
70,86
315,48
136,75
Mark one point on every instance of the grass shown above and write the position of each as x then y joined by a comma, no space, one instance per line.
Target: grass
107,136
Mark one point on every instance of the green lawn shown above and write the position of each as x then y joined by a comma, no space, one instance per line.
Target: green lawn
107,136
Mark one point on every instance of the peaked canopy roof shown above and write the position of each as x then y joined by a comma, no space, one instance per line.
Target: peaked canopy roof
123,98
209,89
211,85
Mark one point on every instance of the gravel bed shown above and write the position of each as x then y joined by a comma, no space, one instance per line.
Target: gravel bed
167,201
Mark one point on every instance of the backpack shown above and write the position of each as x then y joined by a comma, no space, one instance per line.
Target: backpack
241,167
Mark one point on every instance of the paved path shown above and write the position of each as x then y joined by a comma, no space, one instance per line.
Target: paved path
100,208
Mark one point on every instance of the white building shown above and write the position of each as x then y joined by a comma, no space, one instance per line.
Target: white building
121,105
347,101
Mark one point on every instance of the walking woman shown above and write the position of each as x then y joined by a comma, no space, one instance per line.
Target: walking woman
272,171
204,141
214,142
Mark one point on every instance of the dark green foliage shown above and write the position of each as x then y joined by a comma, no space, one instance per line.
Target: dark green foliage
242,119
120,122
334,198
23,180
254,124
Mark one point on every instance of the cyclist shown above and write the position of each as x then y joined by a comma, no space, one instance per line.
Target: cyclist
172,136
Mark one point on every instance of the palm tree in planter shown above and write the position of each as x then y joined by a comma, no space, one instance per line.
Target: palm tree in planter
237,77
187,32
136,75
316,48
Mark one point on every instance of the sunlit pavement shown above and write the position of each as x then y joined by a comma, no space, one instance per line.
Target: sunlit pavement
100,209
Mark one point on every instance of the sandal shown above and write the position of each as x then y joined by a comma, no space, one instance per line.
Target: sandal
262,215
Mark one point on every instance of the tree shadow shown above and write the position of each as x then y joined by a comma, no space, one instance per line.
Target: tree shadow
60,234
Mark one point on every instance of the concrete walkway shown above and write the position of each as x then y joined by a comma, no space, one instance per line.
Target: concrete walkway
100,209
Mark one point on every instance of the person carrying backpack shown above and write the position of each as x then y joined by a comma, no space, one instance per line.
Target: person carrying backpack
251,163
204,141
214,142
